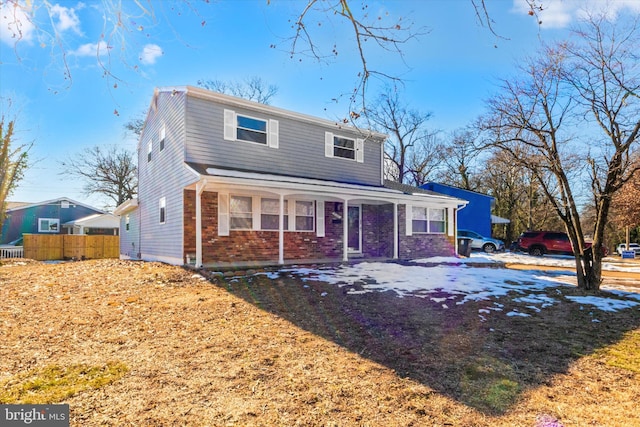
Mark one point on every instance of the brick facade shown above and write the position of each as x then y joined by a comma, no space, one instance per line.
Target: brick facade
262,246
421,245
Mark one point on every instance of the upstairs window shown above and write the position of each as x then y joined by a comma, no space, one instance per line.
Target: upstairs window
126,222
241,213
343,147
162,137
149,150
239,127
48,225
251,130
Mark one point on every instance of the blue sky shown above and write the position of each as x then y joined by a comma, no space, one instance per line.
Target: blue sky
448,71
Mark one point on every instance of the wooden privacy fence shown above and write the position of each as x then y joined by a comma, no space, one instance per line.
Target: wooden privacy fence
44,247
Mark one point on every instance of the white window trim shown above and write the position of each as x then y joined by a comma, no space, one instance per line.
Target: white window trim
329,146
149,150
48,230
313,215
253,212
162,136
231,129
260,214
162,206
127,223
409,221
224,215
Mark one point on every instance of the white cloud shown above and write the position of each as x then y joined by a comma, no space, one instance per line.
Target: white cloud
15,23
65,18
561,13
150,53
91,49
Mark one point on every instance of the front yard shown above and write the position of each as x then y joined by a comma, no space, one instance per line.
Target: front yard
365,345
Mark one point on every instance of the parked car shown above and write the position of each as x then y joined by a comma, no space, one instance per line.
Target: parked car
538,243
480,242
632,247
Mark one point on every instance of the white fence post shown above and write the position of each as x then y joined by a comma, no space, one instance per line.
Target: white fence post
15,252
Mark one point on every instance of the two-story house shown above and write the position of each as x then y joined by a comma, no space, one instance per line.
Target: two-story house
225,181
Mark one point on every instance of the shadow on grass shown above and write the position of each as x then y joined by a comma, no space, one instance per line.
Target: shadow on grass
485,361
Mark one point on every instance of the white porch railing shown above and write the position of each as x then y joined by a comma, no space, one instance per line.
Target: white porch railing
14,252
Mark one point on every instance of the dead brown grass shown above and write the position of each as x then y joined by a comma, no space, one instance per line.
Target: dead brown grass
253,351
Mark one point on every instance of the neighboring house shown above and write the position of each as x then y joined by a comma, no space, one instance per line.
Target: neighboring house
43,218
96,224
476,216
226,181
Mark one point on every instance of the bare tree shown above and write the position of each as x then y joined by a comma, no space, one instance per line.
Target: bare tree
590,85
425,159
459,156
252,88
517,196
410,144
111,172
13,163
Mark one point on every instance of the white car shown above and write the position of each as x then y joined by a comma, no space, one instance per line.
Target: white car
482,243
632,247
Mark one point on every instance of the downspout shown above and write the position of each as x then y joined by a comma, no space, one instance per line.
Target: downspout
345,230
281,231
455,238
395,230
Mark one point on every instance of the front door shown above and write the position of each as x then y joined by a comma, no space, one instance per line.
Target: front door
354,239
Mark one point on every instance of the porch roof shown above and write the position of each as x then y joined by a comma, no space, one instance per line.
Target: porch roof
288,185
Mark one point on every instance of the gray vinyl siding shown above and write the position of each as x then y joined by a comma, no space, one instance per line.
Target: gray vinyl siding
164,176
130,239
301,150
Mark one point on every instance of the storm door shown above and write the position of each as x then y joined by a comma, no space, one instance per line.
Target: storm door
354,234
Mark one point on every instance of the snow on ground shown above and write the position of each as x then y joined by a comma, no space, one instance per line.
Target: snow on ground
466,279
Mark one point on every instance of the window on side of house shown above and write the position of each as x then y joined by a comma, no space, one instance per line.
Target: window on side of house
162,136
240,213
126,222
149,150
428,220
304,215
437,221
344,147
251,129
48,225
162,205
419,220
270,214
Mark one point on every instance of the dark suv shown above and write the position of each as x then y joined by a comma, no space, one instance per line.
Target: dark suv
539,243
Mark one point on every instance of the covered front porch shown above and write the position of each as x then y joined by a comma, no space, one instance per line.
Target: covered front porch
247,219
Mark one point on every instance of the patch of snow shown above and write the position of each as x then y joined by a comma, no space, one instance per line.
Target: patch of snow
604,304
464,281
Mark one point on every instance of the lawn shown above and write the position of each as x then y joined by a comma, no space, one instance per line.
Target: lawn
133,343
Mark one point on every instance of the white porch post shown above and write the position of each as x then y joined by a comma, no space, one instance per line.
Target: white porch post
395,230
345,230
199,189
281,231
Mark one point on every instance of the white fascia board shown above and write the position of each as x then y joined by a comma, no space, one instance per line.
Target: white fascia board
278,184
126,207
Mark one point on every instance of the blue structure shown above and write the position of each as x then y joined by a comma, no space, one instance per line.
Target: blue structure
476,216
43,218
